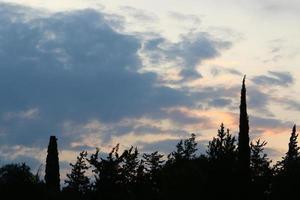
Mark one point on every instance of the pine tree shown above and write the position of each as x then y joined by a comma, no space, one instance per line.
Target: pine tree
221,154
153,162
223,146
77,181
185,150
261,173
243,146
286,181
293,155
259,161
108,183
153,165
130,165
52,176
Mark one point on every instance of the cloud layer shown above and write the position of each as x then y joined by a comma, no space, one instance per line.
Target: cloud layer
73,75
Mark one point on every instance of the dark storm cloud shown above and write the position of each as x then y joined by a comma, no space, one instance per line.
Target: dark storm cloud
274,78
71,66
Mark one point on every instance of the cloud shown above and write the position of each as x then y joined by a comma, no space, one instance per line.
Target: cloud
29,114
221,102
71,66
168,146
73,75
139,14
218,70
188,52
268,122
274,79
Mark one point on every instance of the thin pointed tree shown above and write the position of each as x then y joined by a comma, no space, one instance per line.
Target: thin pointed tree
243,145
52,176
286,180
293,154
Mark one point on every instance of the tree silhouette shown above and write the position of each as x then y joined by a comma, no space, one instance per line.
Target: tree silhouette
17,182
153,165
292,156
108,183
261,173
223,146
183,173
128,172
243,147
221,153
286,181
185,150
77,181
52,176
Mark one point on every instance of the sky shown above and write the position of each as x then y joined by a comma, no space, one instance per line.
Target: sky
144,73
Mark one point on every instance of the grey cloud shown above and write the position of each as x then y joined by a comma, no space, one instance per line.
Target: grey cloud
290,104
274,78
274,154
259,101
192,49
218,70
72,66
262,122
139,14
167,146
220,102
30,161
219,96
182,118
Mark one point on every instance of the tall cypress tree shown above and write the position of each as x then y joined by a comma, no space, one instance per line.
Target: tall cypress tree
52,177
243,145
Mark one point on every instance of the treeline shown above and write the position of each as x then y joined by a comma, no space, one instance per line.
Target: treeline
231,168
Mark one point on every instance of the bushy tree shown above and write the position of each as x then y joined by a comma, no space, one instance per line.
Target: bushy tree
183,174
153,164
77,181
261,172
109,177
223,146
17,182
130,163
185,150
222,157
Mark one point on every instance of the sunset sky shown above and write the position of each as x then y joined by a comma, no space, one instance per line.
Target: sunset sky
145,73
